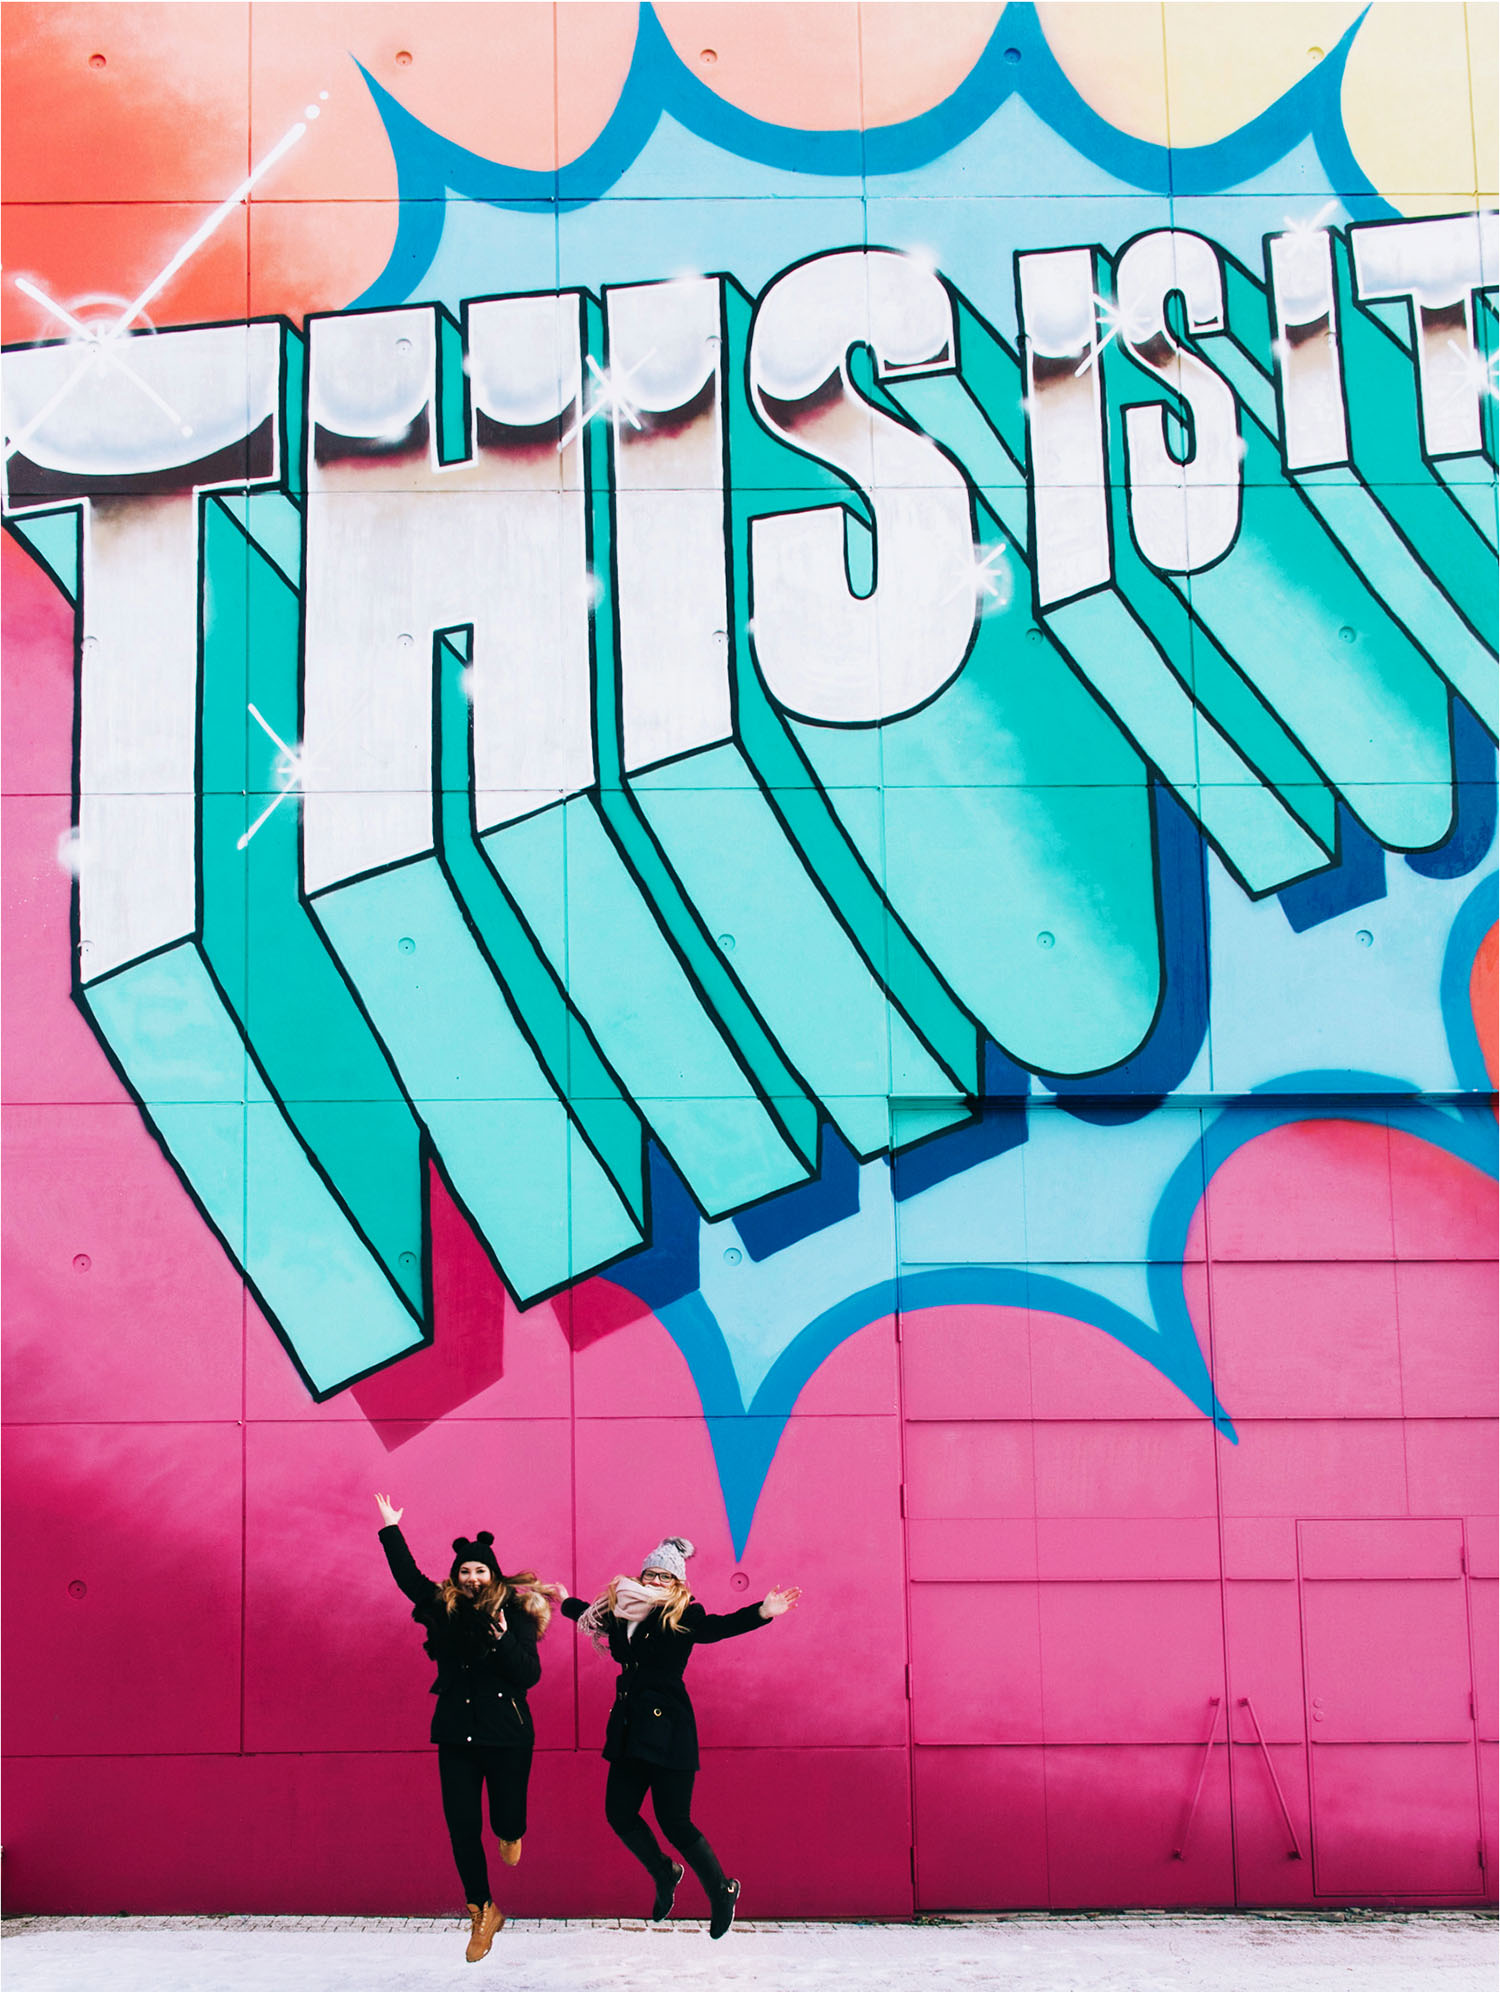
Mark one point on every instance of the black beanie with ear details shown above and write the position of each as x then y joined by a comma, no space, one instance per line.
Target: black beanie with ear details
480,1550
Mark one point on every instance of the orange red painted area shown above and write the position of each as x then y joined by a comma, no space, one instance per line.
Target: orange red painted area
124,125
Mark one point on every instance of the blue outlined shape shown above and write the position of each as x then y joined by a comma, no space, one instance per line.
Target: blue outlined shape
1471,923
745,1436
1137,1085
667,1267
658,84
660,87
1465,1136
1358,879
807,1208
1474,792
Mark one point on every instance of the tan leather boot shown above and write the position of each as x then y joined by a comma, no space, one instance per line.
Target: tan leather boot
484,1926
510,1852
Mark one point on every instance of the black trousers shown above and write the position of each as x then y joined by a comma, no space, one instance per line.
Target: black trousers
671,1798
464,1770
630,1778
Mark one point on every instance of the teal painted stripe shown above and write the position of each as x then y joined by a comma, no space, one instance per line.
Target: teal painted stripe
798,965
186,1062
590,919
573,1065
268,958
1251,824
537,1193
1413,598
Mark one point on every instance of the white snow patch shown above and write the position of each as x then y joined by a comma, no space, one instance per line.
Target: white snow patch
1439,1952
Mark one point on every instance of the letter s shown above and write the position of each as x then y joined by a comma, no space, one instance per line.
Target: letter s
1184,514
826,653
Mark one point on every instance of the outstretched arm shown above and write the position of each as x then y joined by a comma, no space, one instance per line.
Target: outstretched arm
707,1627
403,1565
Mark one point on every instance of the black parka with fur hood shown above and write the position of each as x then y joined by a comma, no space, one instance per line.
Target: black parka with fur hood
483,1674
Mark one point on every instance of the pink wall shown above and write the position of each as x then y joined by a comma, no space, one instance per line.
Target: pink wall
1077,1574
1073,1633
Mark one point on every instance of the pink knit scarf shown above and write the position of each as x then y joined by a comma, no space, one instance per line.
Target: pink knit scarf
633,1602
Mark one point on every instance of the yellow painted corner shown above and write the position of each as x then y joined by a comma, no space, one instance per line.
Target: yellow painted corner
1407,107
1228,63
1114,57
1483,24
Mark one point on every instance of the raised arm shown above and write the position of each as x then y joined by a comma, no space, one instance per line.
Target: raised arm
403,1565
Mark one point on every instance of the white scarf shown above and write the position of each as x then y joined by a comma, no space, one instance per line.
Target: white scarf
633,1602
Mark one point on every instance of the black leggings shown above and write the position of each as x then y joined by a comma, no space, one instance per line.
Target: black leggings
672,1800
464,1769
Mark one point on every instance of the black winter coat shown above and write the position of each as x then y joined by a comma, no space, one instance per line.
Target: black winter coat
652,1718
483,1674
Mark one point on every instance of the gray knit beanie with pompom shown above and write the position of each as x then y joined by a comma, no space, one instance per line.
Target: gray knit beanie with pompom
671,1555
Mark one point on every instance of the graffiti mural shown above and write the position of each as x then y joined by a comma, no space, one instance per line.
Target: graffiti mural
828,770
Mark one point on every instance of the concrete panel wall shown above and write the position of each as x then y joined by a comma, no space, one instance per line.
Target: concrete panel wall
749,787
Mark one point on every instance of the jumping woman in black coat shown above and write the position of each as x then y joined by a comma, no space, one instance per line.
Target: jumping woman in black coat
482,1628
651,1744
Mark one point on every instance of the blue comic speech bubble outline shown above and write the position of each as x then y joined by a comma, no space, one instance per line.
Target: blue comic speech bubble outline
1016,62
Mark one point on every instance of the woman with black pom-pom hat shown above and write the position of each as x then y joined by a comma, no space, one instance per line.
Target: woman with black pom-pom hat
651,1744
482,1628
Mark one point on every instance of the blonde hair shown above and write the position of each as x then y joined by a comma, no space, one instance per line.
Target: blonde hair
492,1597
679,1597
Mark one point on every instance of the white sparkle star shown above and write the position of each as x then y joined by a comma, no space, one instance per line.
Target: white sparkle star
94,341
1131,323
1477,373
608,396
988,575
289,772
98,334
1310,225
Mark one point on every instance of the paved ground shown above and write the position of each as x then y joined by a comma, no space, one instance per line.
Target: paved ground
1440,1951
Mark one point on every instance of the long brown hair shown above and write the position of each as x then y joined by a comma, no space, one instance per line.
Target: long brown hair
493,1596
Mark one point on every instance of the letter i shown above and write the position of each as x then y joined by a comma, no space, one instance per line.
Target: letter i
1065,407
1310,366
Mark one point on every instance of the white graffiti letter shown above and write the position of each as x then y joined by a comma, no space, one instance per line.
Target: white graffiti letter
1184,512
1063,397
826,652
1437,266
533,737
135,437
664,388
400,545
1314,425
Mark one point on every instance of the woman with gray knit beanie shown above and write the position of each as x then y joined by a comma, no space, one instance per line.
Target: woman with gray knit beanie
651,1744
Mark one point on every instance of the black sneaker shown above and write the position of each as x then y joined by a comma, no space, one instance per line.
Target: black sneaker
666,1889
723,1916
